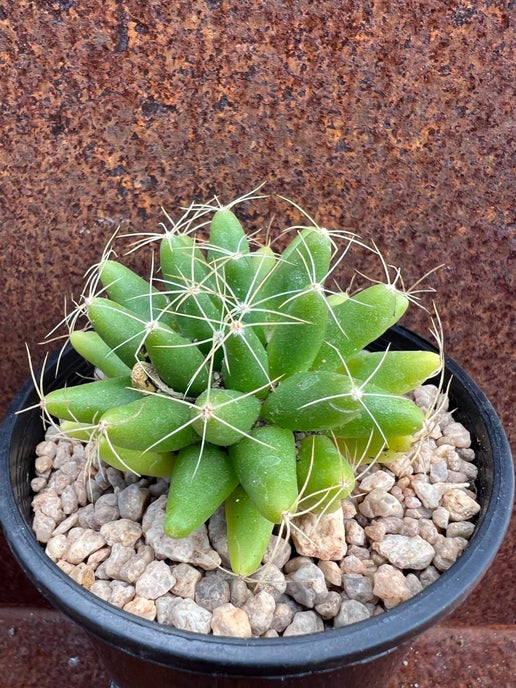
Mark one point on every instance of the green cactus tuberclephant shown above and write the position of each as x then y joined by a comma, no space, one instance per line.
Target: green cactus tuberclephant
244,378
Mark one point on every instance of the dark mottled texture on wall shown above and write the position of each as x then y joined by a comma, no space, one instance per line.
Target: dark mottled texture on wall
392,119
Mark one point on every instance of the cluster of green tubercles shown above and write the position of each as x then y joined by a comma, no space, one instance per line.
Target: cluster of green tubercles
241,376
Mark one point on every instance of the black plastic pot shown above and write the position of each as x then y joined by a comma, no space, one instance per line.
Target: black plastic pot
136,651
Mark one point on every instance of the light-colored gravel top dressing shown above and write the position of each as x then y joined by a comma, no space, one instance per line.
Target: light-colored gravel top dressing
406,522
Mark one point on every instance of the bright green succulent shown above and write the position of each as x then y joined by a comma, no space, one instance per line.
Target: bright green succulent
244,378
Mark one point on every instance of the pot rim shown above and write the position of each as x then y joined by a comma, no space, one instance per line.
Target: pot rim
286,655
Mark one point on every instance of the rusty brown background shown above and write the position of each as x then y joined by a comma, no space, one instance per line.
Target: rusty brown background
392,119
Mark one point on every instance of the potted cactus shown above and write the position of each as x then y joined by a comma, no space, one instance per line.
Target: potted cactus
244,376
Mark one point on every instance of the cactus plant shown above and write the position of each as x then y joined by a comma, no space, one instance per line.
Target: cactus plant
242,375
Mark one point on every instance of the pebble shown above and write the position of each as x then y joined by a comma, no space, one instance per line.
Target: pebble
272,579
281,617
329,607
186,579
350,612
464,529
186,615
441,517
410,526
121,593
459,505
133,568
155,581
379,502
428,530
429,494
49,504
211,592
438,472
228,620
69,501
391,586
132,501
401,466
376,531
38,484
99,556
382,480
83,574
82,494
358,587
271,633
303,623
349,509
69,522
332,573
102,588
425,396
406,552
111,567
278,552
46,448
142,607
320,536
352,564
404,524
194,549
355,534
456,435
413,583
43,463
123,532
106,509
115,478
239,592
307,585
447,551
217,532
260,610
428,576
89,541
56,546
164,606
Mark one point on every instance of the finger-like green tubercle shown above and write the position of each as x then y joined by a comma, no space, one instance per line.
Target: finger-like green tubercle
128,289
383,414
297,338
248,532
122,330
87,402
93,348
356,321
397,372
191,288
202,478
228,252
303,263
77,431
245,366
312,401
265,464
155,464
324,476
224,416
152,423
178,361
